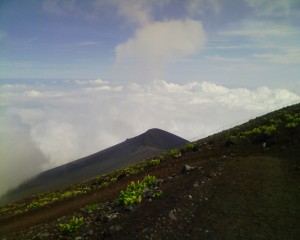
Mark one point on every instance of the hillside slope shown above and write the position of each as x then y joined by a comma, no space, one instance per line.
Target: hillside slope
242,183
132,150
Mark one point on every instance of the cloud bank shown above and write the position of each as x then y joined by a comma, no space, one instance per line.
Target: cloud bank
55,126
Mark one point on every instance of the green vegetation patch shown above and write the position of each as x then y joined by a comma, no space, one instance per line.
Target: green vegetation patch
43,199
92,207
270,124
293,120
191,147
72,226
155,162
174,152
136,190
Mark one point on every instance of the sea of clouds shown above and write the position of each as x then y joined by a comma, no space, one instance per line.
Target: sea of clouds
48,123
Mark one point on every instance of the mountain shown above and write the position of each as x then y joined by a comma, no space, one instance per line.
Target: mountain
241,183
131,150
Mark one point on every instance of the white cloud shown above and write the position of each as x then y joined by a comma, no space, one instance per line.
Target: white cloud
33,93
12,86
156,45
20,157
104,88
99,81
96,81
58,141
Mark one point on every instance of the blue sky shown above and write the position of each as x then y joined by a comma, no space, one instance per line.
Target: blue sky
79,76
247,43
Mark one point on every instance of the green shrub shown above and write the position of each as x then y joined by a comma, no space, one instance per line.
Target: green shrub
232,137
18,211
72,193
134,191
72,226
291,125
293,120
150,181
35,204
276,121
91,208
132,195
154,162
113,179
191,146
268,129
174,152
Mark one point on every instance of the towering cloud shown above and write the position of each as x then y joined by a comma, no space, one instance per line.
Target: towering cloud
157,44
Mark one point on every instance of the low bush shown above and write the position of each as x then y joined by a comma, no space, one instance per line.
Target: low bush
154,162
174,152
191,147
72,226
91,208
135,190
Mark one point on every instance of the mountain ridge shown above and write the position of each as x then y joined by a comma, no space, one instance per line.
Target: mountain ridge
134,149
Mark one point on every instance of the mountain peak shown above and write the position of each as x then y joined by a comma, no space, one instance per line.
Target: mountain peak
146,145
161,139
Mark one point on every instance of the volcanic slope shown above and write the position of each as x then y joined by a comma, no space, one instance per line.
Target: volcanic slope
242,183
132,150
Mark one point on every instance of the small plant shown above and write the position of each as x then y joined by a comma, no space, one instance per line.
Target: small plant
35,205
132,195
293,120
232,137
91,208
154,162
157,194
135,190
150,181
291,125
72,193
18,211
276,121
174,152
133,171
72,226
191,147
113,179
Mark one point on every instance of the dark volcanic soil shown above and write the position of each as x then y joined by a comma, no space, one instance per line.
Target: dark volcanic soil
235,191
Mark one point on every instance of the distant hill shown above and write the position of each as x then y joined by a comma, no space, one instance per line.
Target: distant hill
131,150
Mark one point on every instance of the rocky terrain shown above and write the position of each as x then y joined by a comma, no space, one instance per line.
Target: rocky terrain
243,183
